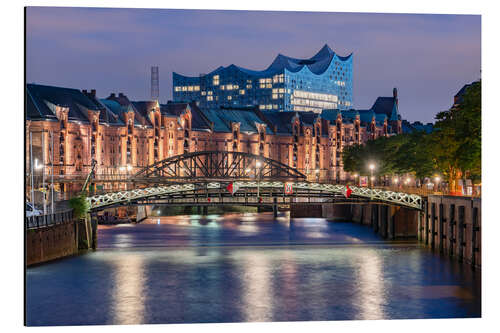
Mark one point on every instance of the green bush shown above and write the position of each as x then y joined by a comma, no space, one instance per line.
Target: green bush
80,206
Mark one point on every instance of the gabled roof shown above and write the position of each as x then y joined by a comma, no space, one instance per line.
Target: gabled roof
317,64
116,111
247,118
387,106
366,116
330,115
42,100
198,120
280,121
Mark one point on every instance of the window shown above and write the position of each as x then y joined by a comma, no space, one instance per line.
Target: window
242,92
177,88
229,98
216,80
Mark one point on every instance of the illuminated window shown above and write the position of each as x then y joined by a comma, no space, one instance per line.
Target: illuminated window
209,93
242,92
275,96
210,98
216,80
177,88
229,87
203,93
190,88
196,88
229,98
184,88
249,86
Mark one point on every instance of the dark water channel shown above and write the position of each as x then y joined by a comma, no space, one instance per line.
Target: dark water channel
248,267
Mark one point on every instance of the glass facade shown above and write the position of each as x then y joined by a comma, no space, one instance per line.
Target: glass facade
288,84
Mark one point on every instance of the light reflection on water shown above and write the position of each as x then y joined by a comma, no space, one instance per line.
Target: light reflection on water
247,268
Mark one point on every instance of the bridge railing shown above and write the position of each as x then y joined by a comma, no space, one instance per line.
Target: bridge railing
39,221
305,189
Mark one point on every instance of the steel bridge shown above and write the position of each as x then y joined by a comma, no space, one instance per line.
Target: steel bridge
201,178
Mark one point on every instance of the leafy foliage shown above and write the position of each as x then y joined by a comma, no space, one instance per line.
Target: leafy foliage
80,205
453,149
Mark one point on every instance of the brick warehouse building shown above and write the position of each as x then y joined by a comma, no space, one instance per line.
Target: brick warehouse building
69,128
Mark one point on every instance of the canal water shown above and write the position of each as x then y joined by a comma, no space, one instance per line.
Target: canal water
247,267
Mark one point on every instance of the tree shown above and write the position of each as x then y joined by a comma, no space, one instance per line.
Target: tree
456,142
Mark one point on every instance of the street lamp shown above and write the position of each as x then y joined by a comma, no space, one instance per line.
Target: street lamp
372,167
258,165
38,166
437,179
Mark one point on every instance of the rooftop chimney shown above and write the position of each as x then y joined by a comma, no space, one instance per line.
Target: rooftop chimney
113,95
121,95
92,92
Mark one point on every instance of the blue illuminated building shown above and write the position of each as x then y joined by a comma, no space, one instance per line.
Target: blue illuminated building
323,81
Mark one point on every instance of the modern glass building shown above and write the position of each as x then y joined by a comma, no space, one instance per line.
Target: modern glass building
323,81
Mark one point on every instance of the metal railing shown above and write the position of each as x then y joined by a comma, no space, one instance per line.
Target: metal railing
39,221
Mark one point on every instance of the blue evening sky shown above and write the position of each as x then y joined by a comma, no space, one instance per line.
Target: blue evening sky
427,57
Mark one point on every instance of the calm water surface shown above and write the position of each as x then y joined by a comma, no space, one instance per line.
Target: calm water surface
247,267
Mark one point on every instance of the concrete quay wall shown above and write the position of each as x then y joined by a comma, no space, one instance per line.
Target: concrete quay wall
452,226
60,240
52,242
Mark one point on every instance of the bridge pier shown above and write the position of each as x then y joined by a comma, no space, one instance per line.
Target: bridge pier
275,208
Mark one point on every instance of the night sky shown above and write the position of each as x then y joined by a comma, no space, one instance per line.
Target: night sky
427,57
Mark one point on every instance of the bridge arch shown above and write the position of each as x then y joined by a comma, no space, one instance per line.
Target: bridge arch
217,165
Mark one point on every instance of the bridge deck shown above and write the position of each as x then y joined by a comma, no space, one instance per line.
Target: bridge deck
250,193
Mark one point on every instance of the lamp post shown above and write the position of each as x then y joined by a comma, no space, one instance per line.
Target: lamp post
437,179
372,167
258,165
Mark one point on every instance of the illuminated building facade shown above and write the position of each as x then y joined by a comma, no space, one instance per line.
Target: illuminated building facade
70,128
323,81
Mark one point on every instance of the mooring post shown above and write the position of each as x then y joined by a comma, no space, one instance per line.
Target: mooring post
475,229
451,236
461,227
442,236
275,207
433,225
94,224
